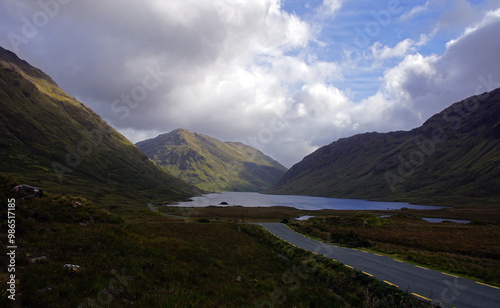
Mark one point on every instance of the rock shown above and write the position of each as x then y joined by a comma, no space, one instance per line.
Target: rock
39,259
31,191
72,267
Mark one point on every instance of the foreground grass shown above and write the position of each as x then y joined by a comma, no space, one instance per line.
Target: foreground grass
471,250
154,261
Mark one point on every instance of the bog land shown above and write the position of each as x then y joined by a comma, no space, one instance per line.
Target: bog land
71,252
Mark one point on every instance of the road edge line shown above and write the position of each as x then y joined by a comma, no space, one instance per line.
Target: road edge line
389,283
488,285
422,297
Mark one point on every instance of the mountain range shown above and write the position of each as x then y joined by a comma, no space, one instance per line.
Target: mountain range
51,140
453,159
211,164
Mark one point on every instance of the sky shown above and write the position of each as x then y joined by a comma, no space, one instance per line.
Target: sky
285,77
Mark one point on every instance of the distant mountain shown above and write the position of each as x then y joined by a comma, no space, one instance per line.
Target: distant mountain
453,158
49,139
211,164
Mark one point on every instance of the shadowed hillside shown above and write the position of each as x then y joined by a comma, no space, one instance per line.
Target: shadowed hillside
51,140
453,158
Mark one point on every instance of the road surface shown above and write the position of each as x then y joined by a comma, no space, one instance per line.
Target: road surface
440,289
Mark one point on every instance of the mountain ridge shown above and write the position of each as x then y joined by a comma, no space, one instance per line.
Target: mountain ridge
211,164
453,157
51,140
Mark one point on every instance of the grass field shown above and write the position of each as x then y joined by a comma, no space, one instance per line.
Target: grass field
150,260
130,256
471,250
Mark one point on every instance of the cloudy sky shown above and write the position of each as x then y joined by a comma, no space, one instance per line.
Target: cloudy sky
283,76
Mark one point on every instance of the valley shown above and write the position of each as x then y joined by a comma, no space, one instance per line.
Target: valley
150,260
165,260
90,237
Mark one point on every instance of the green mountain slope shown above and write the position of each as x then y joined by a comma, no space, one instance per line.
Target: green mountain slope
49,139
212,164
453,158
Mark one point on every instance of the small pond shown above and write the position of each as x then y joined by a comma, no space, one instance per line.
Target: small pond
444,219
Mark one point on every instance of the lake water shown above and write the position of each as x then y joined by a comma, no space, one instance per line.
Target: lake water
306,217
460,221
434,220
251,199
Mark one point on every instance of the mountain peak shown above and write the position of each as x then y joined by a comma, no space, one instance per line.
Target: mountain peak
181,132
212,164
12,61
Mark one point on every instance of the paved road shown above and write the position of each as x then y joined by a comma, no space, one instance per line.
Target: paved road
441,289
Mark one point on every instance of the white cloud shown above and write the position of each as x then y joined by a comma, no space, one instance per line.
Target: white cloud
415,11
247,71
400,80
428,84
401,49
329,8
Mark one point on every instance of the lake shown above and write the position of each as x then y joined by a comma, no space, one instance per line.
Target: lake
436,220
252,199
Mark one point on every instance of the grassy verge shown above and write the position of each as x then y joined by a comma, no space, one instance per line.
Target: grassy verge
470,250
